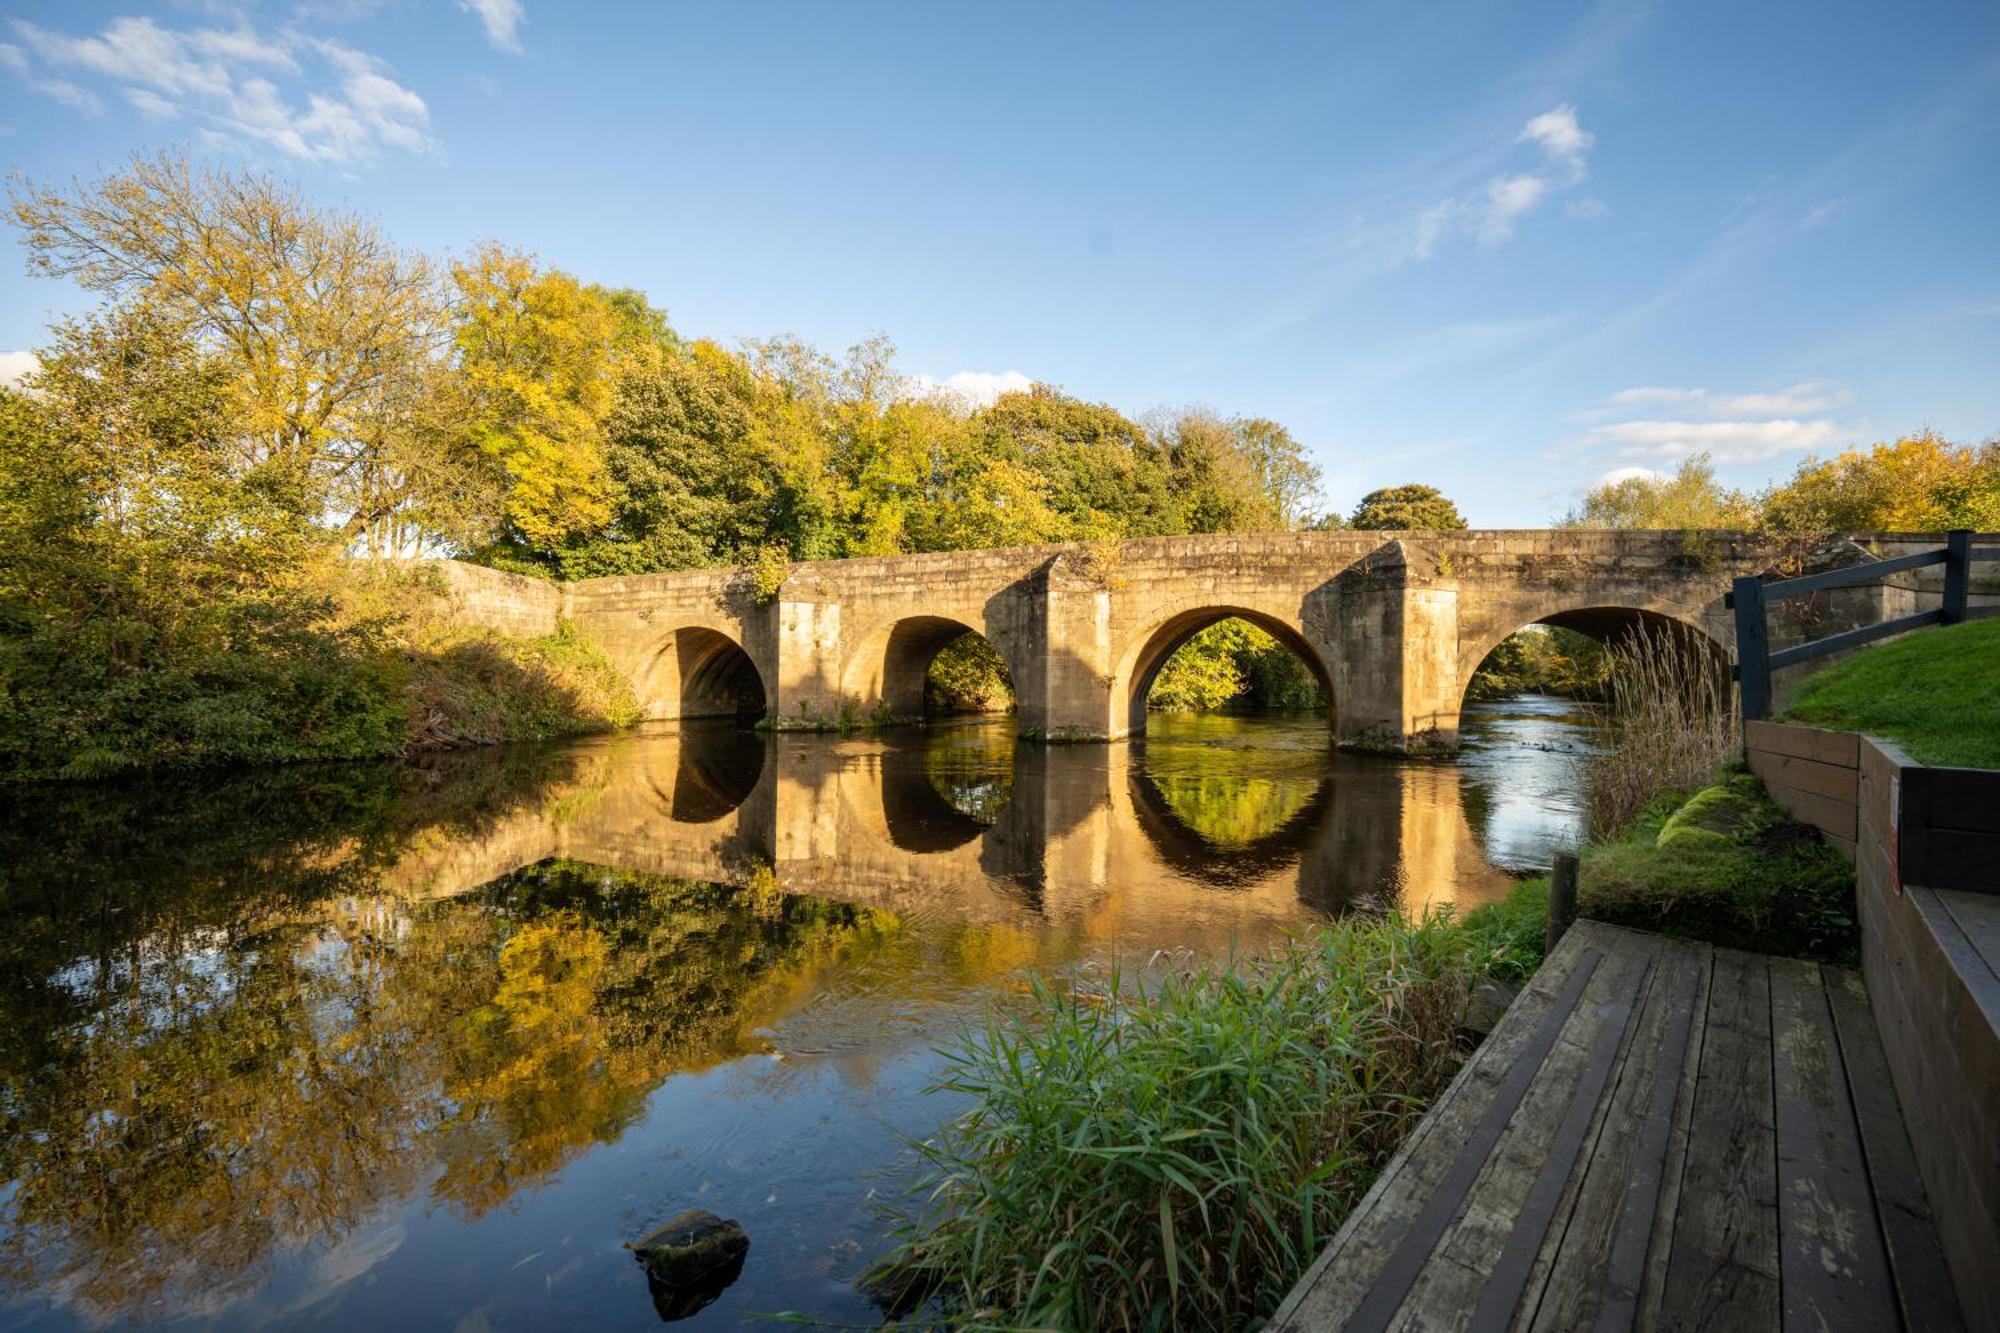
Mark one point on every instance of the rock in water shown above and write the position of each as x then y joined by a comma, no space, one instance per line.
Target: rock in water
696,1249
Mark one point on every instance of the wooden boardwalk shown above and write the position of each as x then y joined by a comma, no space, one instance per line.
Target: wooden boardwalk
1657,1135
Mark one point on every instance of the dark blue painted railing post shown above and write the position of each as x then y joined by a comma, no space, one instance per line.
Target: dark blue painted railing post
1957,573
1753,648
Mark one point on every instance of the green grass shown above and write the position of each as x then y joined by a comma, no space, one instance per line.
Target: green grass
1932,692
1174,1156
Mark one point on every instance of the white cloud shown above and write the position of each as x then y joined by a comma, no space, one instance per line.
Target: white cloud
1672,422
1618,474
1491,213
1561,138
15,366
1724,441
341,105
1993,309
502,20
151,105
1509,198
971,389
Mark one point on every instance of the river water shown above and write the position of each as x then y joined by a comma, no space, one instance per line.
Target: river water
420,1047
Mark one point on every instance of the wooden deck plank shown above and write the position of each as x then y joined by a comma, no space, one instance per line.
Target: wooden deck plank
1834,1270
1924,1289
1350,1265
1680,1139
1722,1267
1596,1261
1659,1136
1476,1273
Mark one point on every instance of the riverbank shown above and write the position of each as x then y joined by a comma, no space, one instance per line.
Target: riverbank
347,662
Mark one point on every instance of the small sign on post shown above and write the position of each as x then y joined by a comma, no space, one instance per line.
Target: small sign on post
1562,897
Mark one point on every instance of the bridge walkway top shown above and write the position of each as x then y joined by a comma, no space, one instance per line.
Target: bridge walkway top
1660,1135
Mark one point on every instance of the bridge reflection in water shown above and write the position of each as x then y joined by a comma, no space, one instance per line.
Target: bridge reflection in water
413,1047
1196,829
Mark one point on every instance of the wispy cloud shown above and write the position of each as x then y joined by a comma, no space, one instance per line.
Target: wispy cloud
1731,427
1562,139
1492,211
15,61
1724,441
307,97
502,20
1804,398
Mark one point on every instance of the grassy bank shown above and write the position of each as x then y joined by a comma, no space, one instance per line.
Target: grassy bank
1931,692
344,662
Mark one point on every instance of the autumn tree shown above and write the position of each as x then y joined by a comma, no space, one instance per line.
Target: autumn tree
1412,508
331,332
536,349
1690,498
1919,483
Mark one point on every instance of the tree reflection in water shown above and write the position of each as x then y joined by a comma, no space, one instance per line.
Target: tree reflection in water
198,1075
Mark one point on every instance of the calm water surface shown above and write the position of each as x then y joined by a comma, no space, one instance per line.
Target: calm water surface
421,1047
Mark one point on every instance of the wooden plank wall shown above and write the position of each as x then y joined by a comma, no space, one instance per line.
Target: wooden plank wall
1813,774
1920,838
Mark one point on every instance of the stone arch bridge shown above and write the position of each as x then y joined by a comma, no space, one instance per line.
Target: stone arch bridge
1392,624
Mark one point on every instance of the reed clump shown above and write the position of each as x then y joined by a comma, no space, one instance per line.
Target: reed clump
1673,719
1174,1155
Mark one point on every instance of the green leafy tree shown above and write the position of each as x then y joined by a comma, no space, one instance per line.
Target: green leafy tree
1102,474
1690,498
1289,480
1406,508
1217,480
159,604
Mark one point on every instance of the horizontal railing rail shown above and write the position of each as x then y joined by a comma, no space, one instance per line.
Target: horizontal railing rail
1751,598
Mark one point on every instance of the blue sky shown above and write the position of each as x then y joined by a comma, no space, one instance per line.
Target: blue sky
1502,250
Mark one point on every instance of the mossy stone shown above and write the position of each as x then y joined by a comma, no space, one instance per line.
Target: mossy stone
692,1247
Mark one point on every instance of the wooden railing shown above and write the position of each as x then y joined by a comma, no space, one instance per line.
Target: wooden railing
1752,597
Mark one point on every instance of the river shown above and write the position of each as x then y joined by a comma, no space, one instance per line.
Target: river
421,1046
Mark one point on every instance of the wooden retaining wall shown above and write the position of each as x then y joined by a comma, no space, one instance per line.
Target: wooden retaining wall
1926,849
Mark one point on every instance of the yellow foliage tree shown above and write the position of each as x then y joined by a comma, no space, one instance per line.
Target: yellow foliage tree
1920,483
536,349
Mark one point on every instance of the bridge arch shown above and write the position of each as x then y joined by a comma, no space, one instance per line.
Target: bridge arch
1608,625
700,671
1151,649
886,670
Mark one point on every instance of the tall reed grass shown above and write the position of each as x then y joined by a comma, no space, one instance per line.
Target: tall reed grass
1175,1156
1673,719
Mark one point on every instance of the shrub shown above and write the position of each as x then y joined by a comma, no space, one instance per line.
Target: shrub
1176,1155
